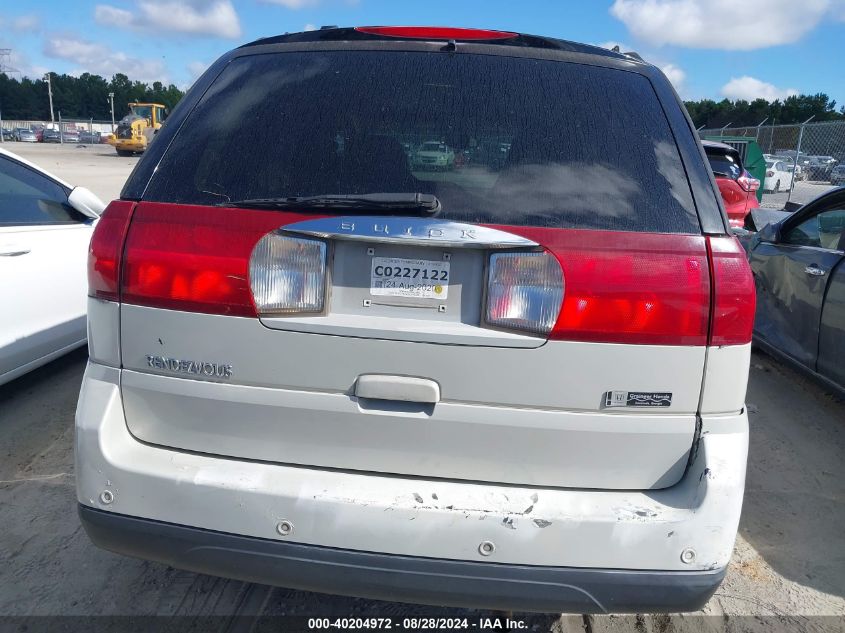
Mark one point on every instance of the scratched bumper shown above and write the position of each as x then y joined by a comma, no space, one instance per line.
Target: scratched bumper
401,578
406,517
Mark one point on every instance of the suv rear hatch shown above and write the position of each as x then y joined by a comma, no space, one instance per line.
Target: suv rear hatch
538,313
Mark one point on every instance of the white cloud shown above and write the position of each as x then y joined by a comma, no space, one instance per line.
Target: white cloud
674,74
309,27
750,88
99,59
196,69
217,18
295,4
722,24
26,23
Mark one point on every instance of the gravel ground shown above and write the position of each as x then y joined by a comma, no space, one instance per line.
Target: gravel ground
804,192
788,569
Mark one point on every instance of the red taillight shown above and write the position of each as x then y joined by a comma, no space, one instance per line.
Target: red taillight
194,258
733,292
630,287
104,252
435,33
748,183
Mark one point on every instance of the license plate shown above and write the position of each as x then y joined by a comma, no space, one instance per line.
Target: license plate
416,278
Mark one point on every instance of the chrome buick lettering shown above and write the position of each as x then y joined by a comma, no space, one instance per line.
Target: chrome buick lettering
192,367
403,230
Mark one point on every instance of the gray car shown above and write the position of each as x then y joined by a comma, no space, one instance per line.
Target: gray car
800,278
92,138
25,135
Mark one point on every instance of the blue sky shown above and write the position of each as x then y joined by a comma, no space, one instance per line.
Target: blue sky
708,48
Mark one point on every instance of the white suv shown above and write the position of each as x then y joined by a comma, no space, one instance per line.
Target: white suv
515,384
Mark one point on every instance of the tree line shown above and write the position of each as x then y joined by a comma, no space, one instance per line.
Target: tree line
86,97
796,109
83,97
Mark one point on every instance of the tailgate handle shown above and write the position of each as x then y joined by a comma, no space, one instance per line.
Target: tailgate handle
403,388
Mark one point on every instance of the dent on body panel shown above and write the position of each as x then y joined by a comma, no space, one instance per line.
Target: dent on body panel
768,272
831,360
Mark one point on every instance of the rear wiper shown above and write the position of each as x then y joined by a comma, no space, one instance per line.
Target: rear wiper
367,202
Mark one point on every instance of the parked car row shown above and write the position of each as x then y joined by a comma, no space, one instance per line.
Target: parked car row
806,166
52,135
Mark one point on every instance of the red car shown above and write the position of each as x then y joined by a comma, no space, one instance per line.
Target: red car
737,186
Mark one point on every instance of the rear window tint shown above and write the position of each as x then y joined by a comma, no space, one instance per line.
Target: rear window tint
497,139
725,164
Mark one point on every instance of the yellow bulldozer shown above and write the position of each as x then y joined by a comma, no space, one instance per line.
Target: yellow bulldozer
135,131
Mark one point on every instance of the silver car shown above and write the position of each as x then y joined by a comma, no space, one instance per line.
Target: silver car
519,384
25,135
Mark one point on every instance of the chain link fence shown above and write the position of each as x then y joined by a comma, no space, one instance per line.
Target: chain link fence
801,161
85,131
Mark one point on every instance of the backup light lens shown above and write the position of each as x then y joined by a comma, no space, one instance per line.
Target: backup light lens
288,275
524,291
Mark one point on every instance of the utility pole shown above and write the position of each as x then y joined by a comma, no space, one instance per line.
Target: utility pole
111,101
50,93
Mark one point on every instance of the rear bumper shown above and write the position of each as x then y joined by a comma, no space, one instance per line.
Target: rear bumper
401,578
554,548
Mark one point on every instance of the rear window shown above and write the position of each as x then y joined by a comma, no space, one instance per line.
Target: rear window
725,164
497,139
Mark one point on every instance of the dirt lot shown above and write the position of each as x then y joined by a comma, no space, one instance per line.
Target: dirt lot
804,192
788,567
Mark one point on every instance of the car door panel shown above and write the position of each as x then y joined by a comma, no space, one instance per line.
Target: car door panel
43,255
793,266
831,363
790,298
45,289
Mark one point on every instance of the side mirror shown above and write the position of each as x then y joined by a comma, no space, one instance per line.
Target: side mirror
770,233
86,202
